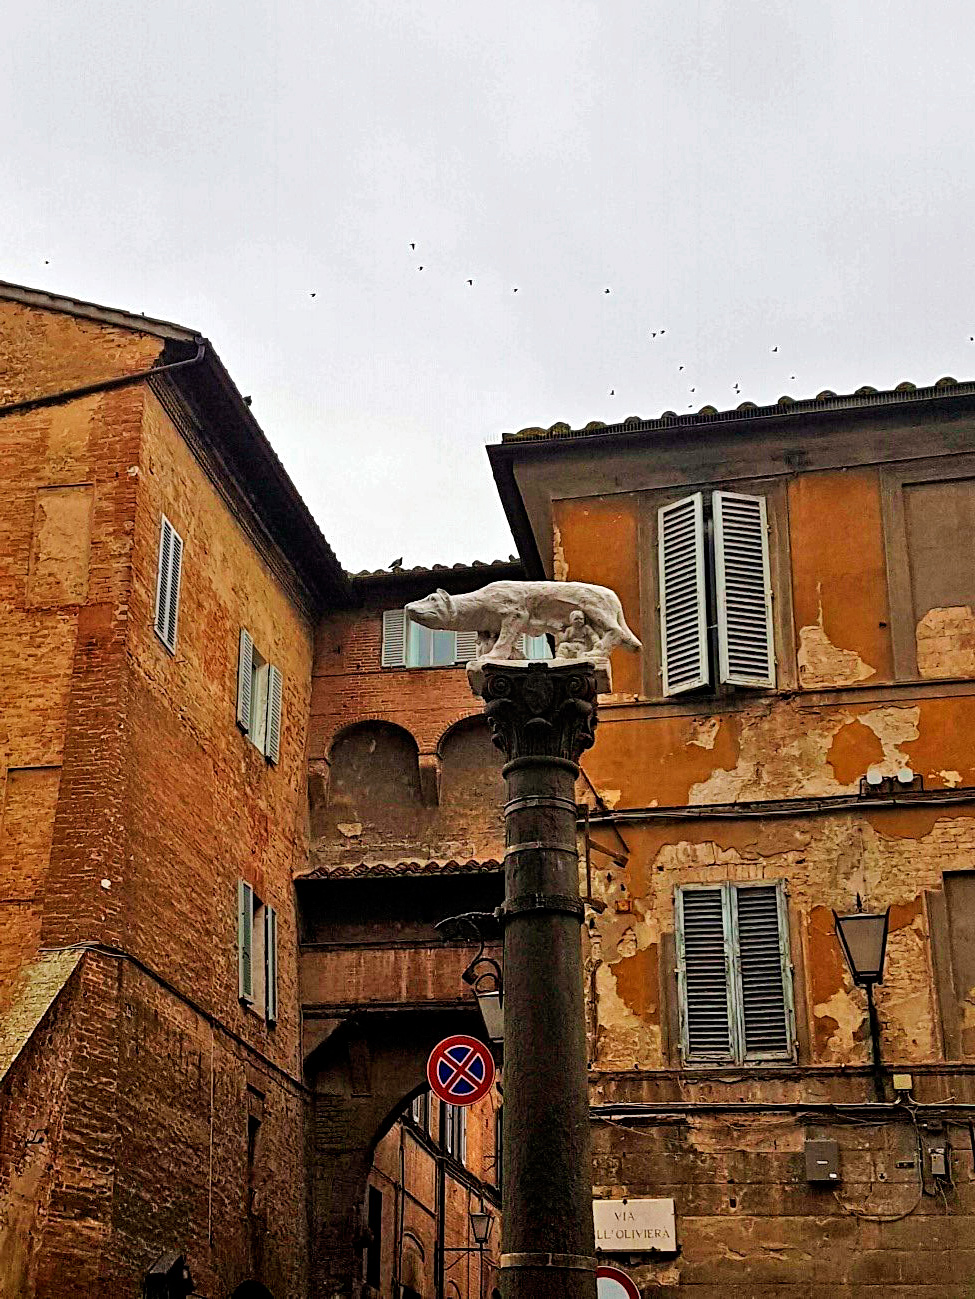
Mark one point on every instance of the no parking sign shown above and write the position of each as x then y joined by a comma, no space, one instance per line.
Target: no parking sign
612,1283
460,1070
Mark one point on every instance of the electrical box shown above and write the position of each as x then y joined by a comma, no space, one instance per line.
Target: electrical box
938,1157
822,1160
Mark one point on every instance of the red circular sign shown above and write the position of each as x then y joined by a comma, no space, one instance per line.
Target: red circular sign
617,1284
460,1070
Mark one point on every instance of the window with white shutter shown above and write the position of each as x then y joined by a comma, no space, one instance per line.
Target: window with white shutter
734,973
260,690
167,584
271,964
743,590
275,690
683,595
394,638
245,941
245,672
465,646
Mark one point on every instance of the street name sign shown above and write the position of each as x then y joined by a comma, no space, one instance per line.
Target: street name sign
634,1226
460,1070
611,1283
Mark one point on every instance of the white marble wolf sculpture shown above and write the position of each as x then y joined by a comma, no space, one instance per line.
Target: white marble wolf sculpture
502,611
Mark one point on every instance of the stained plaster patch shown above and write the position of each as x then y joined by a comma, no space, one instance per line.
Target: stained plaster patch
821,663
704,732
945,641
560,569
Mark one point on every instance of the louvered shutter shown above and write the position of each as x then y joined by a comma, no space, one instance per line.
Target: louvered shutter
703,974
271,964
743,587
466,646
245,673
683,595
167,583
763,974
245,941
272,732
394,638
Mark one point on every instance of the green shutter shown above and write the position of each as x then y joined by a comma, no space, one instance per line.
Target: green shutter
272,732
271,964
245,941
704,974
683,595
763,972
245,673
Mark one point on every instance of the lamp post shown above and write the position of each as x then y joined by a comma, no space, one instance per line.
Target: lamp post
863,938
542,716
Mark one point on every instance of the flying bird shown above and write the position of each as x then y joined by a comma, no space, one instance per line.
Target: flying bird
413,246
46,262
470,281
693,390
313,295
612,392
775,348
514,290
605,290
662,332
679,368
653,333
419,268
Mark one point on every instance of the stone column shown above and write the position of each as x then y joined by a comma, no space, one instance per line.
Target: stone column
542,717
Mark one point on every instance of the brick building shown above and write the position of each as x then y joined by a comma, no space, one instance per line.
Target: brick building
164,591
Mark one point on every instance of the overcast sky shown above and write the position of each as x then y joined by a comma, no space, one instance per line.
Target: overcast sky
742,175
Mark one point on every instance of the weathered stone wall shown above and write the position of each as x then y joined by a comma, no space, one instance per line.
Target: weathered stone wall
850,699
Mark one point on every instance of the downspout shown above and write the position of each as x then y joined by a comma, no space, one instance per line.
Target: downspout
106,385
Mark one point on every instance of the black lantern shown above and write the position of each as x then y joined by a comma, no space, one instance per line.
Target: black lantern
863,937
484,976
481,1224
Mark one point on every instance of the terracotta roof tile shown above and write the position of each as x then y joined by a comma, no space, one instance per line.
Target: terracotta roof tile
475,566
825,400
386,870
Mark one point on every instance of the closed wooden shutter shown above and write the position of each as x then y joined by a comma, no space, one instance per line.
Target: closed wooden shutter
272,734
743,589
394,638
683,595
764,972
466,646
245,673
245,941
271,964
167,583
703,972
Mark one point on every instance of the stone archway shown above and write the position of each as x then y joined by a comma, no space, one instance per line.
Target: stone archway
362,1075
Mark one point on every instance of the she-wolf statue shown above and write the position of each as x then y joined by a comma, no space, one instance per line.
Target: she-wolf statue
587,621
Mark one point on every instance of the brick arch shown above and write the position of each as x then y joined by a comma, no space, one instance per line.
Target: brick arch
374,773
362,1076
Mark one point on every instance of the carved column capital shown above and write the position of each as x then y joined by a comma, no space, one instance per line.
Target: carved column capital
539,709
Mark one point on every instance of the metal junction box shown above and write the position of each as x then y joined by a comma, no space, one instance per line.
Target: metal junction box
822,1160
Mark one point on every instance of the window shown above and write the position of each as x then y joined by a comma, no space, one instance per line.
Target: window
420,1110
259,690
374,1250
257,953
407,644
455,1131
167,584
499,1147
715,592
734,975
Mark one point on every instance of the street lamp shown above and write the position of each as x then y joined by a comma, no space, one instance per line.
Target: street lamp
484,976
863,938
481,1224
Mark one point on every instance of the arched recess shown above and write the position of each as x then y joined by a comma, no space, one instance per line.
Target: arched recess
471,788
252,1290
374,785
362,1077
